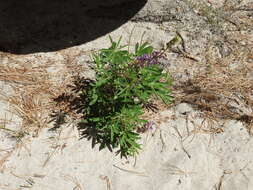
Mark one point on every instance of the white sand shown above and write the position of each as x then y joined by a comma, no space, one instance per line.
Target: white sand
178,155
172,158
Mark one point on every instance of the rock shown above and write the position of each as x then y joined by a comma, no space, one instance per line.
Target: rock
183,108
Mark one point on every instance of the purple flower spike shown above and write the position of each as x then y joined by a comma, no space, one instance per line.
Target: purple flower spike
147,126
147,60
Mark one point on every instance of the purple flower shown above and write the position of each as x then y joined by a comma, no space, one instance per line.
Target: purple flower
149,124
149,59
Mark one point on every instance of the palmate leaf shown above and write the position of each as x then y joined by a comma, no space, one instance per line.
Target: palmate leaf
142,49
114,45
114,101
94,99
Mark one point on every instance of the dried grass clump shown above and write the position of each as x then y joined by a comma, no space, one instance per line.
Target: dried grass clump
225,89
31,88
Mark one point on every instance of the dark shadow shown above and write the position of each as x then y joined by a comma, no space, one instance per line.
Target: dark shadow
29,26
75,102
72,101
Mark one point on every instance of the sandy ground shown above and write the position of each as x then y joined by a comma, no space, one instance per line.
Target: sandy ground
184,151
173,157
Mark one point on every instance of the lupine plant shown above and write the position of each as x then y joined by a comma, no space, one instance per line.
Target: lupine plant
125,83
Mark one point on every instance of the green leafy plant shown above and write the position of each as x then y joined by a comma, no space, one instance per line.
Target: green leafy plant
126,83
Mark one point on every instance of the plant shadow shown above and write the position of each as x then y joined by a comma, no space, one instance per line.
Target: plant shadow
74,103
30,26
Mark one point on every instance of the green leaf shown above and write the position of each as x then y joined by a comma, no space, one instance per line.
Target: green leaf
136,48
94,99
143,49
113,103
112,133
